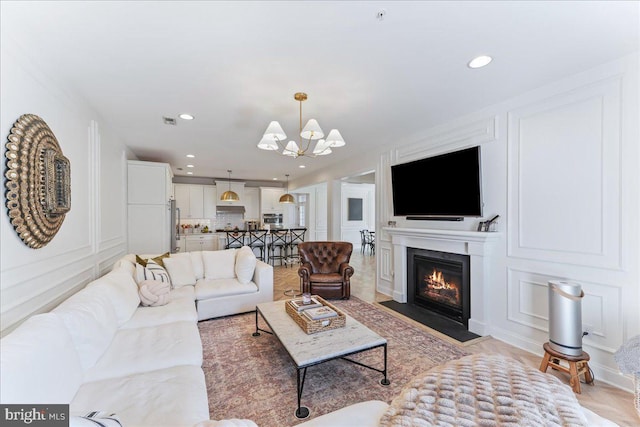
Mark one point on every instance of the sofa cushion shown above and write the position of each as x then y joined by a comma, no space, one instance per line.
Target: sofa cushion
91,320
153,271
148,349
175,396
198,265
219,264
122,291
245,264
180,271
39,363
206,288
181,308
154,293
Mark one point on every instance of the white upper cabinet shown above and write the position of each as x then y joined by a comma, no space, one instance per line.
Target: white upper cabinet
237,187
252,203
270,200
196,201
148,183
210,200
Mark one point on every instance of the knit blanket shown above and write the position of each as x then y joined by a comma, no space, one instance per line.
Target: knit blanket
484,390
628,356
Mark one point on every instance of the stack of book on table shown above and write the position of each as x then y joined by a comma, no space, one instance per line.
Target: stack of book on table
322,312
315,316
299,305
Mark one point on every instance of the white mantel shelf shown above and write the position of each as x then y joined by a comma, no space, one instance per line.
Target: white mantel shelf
432,233
476,244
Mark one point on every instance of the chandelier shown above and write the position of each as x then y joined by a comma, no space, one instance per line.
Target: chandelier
274,137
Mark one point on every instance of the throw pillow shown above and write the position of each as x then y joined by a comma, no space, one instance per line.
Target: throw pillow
95,418
154,293
180,271
219,264
152,271
245,264
158,260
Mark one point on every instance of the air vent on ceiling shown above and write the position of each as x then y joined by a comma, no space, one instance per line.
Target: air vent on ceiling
169,120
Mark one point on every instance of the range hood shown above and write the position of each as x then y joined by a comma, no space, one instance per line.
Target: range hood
230,209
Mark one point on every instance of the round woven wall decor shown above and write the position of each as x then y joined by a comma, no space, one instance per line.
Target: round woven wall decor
38,181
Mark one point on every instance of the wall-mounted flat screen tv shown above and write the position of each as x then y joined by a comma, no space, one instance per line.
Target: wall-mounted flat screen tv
447,185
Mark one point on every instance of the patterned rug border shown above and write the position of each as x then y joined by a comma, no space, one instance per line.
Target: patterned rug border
254,378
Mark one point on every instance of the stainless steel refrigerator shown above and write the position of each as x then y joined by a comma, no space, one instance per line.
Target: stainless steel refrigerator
174,228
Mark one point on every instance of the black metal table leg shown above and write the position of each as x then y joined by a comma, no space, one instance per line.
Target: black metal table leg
256,333
302,411
385,380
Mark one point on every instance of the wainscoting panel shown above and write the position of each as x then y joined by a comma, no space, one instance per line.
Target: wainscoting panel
602,308
564,185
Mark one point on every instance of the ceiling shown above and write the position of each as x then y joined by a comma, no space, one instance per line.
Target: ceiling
236,65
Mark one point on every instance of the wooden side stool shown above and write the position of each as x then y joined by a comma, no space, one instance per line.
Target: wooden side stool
578,365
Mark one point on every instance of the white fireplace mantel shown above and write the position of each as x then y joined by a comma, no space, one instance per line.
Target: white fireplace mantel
476,244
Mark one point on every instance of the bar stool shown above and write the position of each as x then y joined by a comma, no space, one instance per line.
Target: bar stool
278,246
235,239
578,365
258,240
296,237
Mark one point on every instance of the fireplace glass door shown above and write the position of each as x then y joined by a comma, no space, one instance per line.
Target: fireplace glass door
439,281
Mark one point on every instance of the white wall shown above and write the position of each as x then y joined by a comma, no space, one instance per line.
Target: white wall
561,166
317,212
350,230
92,236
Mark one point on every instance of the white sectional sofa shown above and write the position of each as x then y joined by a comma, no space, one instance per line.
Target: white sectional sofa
101,351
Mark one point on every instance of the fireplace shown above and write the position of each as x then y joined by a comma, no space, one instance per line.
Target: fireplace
439,282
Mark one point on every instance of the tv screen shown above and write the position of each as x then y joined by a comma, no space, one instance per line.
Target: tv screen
447,185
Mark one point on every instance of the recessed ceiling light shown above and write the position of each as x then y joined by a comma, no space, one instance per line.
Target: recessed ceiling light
185,116
191,156
302,166
189,173
190,166
275,179
479,61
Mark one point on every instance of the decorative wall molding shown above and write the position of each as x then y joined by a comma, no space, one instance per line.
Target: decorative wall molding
59,287
563,210
453,137
602,309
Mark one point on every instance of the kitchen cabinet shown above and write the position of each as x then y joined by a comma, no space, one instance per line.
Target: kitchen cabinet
196,201
270,200
252,203
201,242
148,183
148,210
237,187
210,200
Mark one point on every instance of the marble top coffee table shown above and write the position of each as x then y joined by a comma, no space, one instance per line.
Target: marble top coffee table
308,350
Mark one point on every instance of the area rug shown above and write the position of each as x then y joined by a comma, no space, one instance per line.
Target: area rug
254,378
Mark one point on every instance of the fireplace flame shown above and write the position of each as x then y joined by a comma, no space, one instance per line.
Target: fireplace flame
440,290
436,281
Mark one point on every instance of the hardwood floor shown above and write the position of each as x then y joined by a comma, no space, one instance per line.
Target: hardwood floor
605,400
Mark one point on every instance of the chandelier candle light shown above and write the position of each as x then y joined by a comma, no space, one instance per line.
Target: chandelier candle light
274,137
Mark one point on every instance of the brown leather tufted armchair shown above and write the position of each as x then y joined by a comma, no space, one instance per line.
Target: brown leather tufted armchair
325,269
